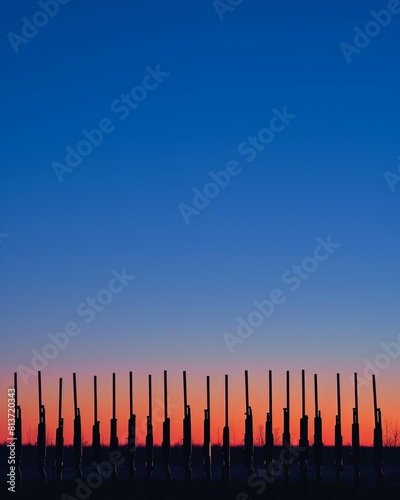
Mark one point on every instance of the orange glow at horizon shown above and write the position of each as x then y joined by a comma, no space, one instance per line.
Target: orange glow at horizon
196,383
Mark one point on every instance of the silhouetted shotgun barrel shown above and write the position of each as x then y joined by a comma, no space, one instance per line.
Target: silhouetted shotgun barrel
166,442
338,438
355,437
248,432
318,444
59,437
269,434
286,452
77,443
226,452
131,449
18,435
207,438
378,440
95,430
41,439
187,436
149,437
114,432
303,442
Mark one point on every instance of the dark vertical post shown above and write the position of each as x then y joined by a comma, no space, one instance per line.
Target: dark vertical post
269,434
96,447
59,438
184,390
286,451
77,446
131,448
226,440
207,437
149,437
166,442
18,435
248,433
378,439
303,443
338,437
318,444
41,440
355,437
113,433
95,397
187,436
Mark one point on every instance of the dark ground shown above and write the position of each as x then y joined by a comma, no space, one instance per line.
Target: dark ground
237,489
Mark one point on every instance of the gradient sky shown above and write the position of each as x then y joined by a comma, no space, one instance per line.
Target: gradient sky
322,175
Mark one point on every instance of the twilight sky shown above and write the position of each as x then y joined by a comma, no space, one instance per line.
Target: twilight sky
180,91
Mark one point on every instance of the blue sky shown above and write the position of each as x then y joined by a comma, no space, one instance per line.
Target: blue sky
322,175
